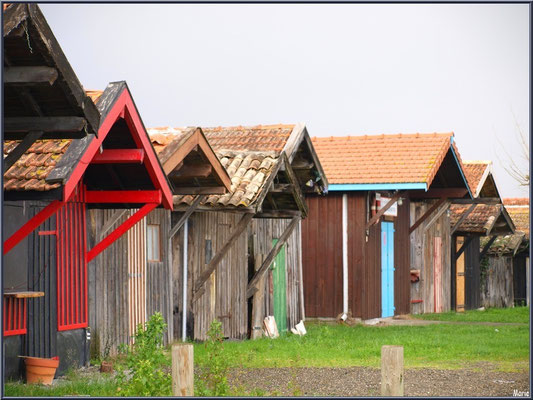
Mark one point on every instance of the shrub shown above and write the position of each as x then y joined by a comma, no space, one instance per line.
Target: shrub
212,380
147,363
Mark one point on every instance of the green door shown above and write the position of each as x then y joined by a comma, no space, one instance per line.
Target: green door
280,289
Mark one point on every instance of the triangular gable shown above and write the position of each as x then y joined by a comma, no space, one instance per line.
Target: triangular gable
484,219
91,156
480,178
425,163
189,161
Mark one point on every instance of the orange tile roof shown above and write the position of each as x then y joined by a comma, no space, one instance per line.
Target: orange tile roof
249,138
480,220
474,171
520,217
249,155
400,158
31,169
516,201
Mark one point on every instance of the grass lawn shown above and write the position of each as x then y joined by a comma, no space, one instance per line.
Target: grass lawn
441,346
437,346
515,315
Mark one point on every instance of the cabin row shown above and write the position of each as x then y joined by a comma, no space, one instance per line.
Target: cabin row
107,222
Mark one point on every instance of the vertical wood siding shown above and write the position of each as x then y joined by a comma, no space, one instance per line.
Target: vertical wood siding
41,339
136,239
159,290
262,232
472,275
423,258
520,278
110,297
225,291
497,282
322,258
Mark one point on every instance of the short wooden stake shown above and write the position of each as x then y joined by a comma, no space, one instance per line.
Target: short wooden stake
392,371
182,370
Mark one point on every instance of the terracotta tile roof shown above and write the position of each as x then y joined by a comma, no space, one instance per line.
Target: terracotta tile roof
520,217
518,210
480,220
474,171
32,168
517,201
248,171
249,154
162,136
400,158
249,138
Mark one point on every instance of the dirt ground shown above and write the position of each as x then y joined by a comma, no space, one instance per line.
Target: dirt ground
360,381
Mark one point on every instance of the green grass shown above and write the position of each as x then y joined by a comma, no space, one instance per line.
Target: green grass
507,315
436,346
75,386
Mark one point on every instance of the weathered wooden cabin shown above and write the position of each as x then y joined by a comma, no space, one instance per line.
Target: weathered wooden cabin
133,279
505,268
242,257
42,98
482,216
356,240
431,289
54,183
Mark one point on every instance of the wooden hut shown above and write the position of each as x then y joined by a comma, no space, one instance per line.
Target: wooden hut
356,240
133,279
42,98
505,274
241,250
482,216
54,182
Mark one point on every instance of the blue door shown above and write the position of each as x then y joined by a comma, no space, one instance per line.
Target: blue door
387,269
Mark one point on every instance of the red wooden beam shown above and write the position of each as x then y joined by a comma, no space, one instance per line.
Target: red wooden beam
122,229
123,196
119,156
31,225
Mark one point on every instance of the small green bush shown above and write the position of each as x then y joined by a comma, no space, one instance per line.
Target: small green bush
212,380
147,363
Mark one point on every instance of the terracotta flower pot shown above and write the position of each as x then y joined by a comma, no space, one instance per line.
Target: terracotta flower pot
40,370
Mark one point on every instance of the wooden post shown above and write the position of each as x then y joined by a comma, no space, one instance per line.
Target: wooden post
182,370
257,302
392,371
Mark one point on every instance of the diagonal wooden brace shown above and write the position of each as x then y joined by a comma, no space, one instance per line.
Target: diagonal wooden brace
122,229
382,211
270,257
31,225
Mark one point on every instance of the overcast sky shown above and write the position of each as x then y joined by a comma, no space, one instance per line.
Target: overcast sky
341,69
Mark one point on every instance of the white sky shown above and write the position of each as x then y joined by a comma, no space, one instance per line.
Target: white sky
341,69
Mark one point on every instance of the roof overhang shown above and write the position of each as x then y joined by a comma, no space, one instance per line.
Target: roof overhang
449,181
192,166
121,136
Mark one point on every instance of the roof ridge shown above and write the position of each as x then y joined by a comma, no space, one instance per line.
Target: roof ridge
385,135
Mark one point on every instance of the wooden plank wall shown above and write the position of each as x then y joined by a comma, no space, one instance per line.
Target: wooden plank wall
109,294
322,257
262,232
422,258
472,275
41,339
520,278
159,289
225,294
402,276
497,282
108,288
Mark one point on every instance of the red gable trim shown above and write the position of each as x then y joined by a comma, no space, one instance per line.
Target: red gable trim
123,108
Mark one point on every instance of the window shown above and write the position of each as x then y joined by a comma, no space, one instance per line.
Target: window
153,243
